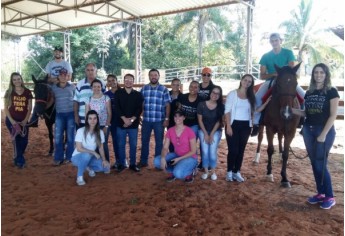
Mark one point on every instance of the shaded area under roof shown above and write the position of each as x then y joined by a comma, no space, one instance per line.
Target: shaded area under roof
28,17
338,31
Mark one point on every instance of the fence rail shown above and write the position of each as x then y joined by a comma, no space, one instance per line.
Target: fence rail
340,115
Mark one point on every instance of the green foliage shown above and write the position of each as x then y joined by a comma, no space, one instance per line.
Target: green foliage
162,49
313,43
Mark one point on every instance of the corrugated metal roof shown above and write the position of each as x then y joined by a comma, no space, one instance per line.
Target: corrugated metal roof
27,17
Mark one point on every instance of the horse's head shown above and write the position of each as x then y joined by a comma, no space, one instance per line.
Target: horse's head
285,89
42,93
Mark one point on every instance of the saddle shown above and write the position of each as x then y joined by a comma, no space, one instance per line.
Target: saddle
269,92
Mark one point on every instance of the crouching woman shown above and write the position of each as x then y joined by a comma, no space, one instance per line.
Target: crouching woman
87,140
181,163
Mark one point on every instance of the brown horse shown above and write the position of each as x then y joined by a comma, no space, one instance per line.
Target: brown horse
278,117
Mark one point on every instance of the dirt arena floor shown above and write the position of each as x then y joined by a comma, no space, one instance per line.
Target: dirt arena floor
44,200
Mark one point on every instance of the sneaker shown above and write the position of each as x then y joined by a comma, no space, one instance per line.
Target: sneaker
120,168
80,180
170,178
237,176
214,176
134,168
255,131
200,166
67,161
229,176
327,203
316,199
141,165
91,172
57,163
204,176
189,179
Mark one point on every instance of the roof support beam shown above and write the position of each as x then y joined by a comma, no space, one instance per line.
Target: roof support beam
138,69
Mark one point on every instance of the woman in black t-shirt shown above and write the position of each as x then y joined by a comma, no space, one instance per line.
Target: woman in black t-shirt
321,104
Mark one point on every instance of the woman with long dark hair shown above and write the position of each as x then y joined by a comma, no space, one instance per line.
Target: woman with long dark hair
239,111
210,115
18,105
321,105
87,140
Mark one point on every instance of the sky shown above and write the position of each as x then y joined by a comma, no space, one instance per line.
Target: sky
269,14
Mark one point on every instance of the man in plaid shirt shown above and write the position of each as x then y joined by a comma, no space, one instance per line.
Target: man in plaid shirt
156,113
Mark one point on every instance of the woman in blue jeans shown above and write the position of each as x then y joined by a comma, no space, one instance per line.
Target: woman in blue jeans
321,105
210,115
85,157
182,162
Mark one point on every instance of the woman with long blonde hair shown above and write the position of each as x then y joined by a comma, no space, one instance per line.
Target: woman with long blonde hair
18,105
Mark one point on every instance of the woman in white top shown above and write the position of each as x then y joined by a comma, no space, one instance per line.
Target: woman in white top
239,110
87,140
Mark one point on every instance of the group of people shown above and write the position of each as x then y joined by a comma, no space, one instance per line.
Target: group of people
198,115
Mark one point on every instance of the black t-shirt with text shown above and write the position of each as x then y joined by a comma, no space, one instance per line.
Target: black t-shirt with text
189,108
317,106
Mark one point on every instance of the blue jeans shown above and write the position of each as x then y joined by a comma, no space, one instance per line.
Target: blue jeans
180,170
209,151
111,130
84,160
133,140
19,145
64,121
318,154
146,130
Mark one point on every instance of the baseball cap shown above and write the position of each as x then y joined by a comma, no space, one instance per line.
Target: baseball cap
206,70
57,48
63,71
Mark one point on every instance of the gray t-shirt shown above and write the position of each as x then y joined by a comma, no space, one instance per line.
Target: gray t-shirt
209,117
53,68
64,97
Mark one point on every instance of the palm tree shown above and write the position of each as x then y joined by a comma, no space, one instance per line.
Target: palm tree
203,25
304,35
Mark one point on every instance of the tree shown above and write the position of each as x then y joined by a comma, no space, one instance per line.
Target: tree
303,34
203,25
161,48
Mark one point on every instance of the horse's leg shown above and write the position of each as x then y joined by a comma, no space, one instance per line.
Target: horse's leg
270,150
285,182
258,148
49,125
280,140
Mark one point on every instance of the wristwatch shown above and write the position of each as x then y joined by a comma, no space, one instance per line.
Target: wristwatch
166,118
132,120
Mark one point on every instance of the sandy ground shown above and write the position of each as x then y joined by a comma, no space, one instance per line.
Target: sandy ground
45,200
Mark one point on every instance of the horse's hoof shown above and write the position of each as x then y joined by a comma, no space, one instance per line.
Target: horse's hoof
256,159
270,178
285,184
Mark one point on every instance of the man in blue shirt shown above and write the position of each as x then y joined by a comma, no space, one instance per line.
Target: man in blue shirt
155,116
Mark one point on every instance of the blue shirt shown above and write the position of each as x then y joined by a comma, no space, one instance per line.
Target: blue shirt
155,100
281,59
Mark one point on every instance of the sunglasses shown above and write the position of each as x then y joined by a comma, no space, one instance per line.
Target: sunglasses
206,75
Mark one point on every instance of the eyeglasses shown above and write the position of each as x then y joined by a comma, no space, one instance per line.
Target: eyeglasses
206,75
175,85
215,93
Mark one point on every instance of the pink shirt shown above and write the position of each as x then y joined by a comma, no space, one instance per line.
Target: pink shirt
182,143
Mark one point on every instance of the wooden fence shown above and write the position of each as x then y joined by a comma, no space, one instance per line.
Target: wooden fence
137,86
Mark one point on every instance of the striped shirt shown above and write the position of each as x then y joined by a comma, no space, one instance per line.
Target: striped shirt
82,94
155,100
63,97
